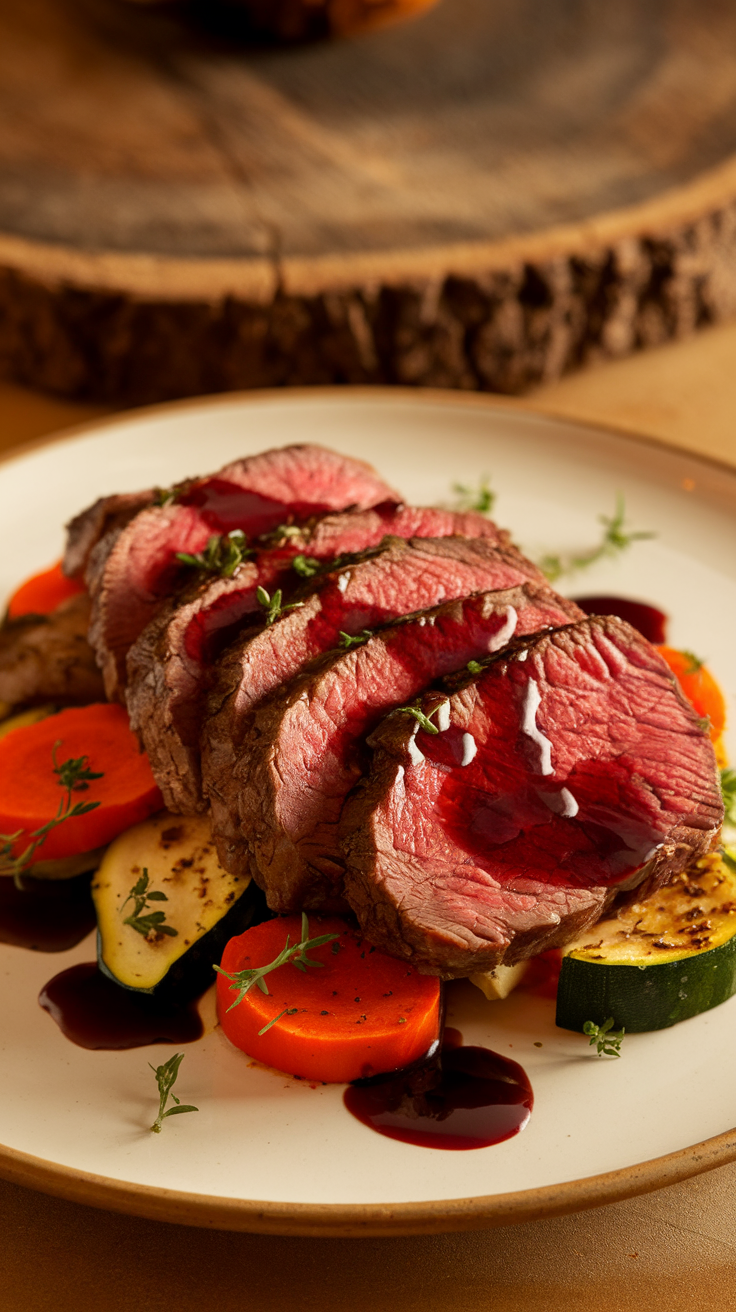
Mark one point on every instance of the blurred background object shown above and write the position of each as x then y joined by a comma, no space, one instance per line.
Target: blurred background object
305,20
487,197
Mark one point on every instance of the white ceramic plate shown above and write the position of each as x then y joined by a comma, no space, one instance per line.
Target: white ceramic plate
267,1152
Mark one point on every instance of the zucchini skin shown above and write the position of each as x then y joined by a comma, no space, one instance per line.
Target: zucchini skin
643,998
192,973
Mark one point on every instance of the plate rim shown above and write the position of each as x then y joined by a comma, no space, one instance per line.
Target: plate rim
339,1220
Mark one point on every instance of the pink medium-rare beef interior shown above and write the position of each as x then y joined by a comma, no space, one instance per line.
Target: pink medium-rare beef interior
168,666
133,569
571,769
397,578
305,747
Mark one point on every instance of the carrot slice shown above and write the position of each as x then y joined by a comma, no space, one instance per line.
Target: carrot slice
43,592
357,1014
699,687
30,791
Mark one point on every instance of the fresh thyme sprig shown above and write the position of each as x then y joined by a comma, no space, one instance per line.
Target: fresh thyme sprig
243,980
694,662
166,1076
425,721
356,640
272,605
73,776
728,789
615,539
279,536
288,1011
306,566
165,496
607,1040
141,894
480,499
224,554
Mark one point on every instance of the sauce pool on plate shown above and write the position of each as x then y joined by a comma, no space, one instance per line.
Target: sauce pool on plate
471,1097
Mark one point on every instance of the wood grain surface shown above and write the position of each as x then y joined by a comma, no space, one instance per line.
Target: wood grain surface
485,198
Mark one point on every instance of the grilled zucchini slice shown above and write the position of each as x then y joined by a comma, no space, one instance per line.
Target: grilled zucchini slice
200,907
658,961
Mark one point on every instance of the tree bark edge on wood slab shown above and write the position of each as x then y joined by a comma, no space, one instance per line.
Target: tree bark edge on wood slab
499,318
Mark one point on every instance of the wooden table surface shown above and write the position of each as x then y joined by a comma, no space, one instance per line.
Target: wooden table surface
677,1245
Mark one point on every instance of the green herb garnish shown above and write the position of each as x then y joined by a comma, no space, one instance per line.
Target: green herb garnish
141,894
166,1079
357,640
728,789
306,566
425,721
272,605
73,776
694,662
165,496
243,980
480,499
288,1011
474,667
607,1040
279,536
223,555
614,540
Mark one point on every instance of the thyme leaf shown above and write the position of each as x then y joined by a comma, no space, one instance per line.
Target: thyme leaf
166,1076
272,605
306,566
481,499
607,1040
694,662
243,980
165,496
614,540
288,1011
279,536
223,555
425,721
141,894
73,775
357,639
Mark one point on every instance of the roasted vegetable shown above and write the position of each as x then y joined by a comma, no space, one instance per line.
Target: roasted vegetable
165,907
658,961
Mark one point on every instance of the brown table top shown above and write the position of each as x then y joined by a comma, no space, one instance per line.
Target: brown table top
676,1245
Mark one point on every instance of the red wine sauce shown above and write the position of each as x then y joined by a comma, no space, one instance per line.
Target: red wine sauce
650,622
47,915
95,1013
468,1098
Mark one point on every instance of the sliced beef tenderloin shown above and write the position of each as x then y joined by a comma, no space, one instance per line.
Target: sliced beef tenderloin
570,770
105,515
46,658
133,569
304,749
169,664
398,578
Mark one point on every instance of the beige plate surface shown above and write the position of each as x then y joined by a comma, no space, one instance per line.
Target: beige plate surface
269,1153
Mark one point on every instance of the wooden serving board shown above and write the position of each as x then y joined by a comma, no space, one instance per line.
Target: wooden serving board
483,198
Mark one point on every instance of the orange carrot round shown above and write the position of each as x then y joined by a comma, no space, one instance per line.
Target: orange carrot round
31,791
699,687
43,592
357,1013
